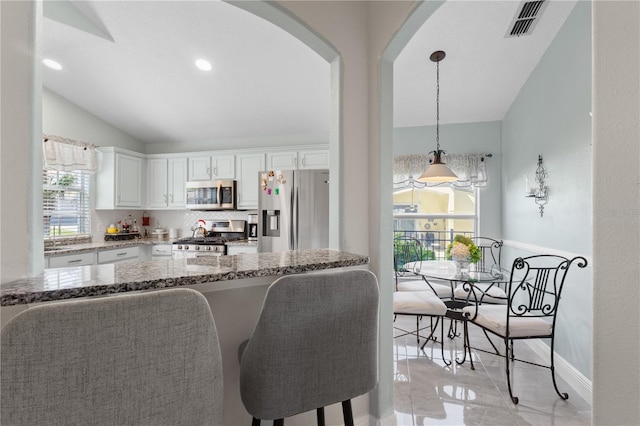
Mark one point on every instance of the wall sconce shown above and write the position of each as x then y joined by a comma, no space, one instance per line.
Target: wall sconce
539,193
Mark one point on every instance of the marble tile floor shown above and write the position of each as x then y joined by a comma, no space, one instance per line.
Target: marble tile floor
427,392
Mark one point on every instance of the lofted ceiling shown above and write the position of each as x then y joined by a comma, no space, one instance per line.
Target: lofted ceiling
131,63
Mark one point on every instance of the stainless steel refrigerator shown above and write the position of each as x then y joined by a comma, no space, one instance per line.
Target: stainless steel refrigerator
293,210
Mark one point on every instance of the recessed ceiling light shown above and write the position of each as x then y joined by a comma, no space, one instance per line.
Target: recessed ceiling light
52,64
204,65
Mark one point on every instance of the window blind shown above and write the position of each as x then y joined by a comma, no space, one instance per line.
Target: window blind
65,202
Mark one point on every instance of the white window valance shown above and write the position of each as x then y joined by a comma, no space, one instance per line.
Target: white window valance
67,154
470,168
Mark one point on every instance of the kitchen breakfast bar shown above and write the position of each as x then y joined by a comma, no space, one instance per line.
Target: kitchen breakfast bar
233,285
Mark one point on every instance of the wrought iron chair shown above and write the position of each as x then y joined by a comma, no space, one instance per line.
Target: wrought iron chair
408,249
420,304
534,291
491,251
414,295
490,261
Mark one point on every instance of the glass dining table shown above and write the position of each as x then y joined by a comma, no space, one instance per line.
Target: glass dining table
477,285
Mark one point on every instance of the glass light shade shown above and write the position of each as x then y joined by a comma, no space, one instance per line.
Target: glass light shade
438,172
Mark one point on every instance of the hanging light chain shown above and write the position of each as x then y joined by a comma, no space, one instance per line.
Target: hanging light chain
438,106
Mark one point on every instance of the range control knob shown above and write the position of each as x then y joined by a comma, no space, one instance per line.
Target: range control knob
197,247
186,247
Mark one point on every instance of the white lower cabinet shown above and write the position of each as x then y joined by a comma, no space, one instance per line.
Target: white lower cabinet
161,252
80,259
118,255
238,249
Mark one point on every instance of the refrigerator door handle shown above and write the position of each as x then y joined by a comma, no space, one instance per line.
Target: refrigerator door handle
297,236
293,242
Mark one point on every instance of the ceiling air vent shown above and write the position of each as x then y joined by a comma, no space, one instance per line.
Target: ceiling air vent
526,18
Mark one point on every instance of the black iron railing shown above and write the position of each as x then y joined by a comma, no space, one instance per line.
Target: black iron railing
434,243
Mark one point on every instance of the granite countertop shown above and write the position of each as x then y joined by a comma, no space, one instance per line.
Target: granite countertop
242,243
73,248
82,281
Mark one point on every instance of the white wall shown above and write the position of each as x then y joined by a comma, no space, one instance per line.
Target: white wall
550,116
616,213
238,143
63,118
467,138
20,130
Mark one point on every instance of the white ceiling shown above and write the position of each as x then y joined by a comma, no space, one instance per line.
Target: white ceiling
483,70
132,64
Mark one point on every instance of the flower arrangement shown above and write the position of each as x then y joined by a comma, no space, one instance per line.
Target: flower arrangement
463,248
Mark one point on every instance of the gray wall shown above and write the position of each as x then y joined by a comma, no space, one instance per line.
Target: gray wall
465,138
551,116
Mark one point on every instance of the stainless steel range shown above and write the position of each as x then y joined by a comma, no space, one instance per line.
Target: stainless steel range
210,241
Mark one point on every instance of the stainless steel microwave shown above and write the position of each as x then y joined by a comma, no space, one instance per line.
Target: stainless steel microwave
211,195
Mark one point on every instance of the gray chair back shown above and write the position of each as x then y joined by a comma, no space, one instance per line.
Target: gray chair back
315,344
138,359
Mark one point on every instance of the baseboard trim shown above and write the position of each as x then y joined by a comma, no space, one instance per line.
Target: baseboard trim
564,369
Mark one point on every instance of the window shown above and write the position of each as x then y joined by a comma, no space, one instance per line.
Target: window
65,203
435,214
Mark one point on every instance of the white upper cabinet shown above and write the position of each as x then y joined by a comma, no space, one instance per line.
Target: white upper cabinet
211,167
248,165
298,160
286,160
177,180
119,179
166,178
157,182
313,159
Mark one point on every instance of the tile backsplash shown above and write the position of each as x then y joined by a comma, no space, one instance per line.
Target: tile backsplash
183,220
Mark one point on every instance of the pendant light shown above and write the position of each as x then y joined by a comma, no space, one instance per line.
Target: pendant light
437,171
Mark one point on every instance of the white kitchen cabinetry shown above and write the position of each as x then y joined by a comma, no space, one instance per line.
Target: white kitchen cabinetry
240,249
282,160
166,178
161,252
79,259
248,165
313,159
119,179
118,255
298,160
211,167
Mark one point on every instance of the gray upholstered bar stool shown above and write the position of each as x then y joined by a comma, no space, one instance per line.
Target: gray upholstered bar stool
139,359
315,344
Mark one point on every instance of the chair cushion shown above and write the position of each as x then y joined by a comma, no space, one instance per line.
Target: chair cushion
441,290
494,318
418,303
494,294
